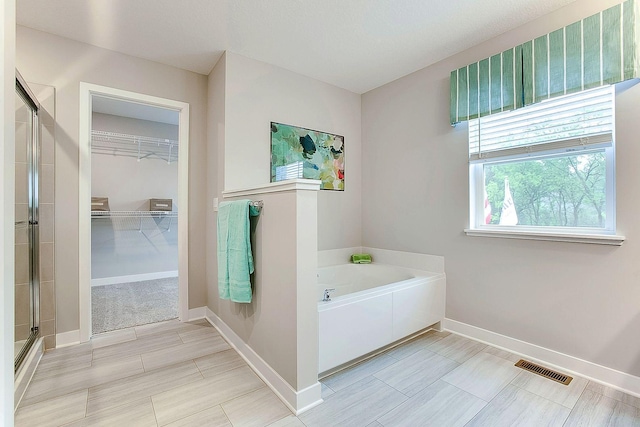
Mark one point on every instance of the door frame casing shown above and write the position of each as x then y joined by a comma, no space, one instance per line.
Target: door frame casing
87,91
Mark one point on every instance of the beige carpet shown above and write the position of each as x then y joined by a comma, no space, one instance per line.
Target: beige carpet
131,304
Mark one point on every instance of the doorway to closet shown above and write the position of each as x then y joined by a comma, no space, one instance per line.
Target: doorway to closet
134,233
135,180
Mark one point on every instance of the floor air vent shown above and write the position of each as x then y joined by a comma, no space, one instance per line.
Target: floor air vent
544,372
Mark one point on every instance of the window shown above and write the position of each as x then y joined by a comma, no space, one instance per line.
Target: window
547,168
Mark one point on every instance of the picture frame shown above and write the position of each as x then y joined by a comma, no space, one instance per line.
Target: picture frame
298,152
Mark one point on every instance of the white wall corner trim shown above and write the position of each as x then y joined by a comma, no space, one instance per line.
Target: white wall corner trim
618,380
197,313
297,401
65,339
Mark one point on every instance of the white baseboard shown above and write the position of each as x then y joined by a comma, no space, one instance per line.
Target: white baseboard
618,380
66,339
197,313
297,401
133,278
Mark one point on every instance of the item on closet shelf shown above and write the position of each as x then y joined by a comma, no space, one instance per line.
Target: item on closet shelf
235,260
161,205
361,258
100,204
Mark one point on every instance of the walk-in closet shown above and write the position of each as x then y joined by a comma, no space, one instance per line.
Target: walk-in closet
134,214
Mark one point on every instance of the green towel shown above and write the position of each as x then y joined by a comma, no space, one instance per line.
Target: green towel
235,261
361,258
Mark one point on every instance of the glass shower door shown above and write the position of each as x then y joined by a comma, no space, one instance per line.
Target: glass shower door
26,224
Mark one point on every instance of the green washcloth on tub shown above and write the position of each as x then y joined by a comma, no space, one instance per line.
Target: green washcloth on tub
361,258
235,261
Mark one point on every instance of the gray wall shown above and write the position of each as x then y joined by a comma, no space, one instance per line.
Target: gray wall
578,299
259,93
130,184
63,63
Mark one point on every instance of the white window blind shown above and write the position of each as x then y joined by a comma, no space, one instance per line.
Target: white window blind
567,123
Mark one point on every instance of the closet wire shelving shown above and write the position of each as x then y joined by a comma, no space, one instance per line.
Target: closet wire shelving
140,147
135,220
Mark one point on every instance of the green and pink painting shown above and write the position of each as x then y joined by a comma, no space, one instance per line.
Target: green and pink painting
304,153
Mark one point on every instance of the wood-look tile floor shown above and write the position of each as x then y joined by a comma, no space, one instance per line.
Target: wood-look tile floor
185,374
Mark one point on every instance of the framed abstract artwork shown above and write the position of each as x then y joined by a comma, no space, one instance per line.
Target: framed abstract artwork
304,153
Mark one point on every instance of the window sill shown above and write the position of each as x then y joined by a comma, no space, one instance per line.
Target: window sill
596,239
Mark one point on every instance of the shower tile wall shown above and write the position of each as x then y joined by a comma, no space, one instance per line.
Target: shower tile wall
46,96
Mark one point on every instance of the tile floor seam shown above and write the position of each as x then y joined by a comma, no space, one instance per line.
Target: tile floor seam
59,425
534,393
86,404
328,387
392,409
447,357
544,398
159,368
225,414
572,409
612,397
223,402
244,394
465,391
199,412
89,399
386,383
115,406
154,411
485,406
198,368
41,402
142,362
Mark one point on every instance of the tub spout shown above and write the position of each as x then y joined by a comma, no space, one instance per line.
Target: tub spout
327,294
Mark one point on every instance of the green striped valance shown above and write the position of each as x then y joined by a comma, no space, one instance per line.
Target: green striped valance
595,51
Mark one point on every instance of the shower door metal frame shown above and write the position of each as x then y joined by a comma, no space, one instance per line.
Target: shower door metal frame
22,90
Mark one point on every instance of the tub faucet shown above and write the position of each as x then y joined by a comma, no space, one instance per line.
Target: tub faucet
327,295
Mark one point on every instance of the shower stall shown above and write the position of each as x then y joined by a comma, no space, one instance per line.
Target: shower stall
26,222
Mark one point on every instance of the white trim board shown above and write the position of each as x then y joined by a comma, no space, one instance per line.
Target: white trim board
296,401
275,187
197,313
65,339
133,278
87,91
618,380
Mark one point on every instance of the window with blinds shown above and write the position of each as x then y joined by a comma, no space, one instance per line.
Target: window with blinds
581,120
548,167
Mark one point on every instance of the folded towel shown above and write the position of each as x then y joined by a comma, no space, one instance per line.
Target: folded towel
361,258
235,261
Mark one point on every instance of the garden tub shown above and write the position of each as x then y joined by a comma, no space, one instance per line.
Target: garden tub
372,306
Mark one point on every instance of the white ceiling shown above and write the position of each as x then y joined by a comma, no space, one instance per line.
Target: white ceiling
354,44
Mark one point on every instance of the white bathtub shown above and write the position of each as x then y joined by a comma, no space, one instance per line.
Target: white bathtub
373,305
